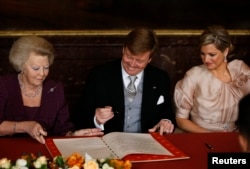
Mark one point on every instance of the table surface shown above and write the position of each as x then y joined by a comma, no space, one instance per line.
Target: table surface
192,144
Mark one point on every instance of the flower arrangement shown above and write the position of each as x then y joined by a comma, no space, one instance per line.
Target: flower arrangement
74,161
25,162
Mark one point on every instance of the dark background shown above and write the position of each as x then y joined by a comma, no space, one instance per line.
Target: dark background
77,54
122,14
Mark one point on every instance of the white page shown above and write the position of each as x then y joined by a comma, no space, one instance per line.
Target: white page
134,143
121,143
94,146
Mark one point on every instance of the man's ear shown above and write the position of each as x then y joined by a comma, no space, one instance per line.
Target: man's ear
243,142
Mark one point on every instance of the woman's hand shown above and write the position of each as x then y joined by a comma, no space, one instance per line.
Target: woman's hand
35,130
88,132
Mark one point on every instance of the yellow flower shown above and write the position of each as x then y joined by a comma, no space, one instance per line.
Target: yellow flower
21,163
74,167
37,164
106,166
40,162
4,163
91,164
42,159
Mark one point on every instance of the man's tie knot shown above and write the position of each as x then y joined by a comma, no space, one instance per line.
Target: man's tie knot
131,87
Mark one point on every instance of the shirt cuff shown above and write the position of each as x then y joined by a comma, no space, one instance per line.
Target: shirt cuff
100,126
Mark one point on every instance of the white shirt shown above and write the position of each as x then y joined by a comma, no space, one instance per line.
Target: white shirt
126,80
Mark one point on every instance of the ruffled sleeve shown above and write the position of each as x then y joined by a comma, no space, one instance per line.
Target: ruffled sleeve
183,96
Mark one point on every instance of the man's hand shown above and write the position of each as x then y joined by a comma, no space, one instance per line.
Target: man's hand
88,132
164,126
104,114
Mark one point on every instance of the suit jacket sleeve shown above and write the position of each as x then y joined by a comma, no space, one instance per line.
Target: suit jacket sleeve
103,87
156,87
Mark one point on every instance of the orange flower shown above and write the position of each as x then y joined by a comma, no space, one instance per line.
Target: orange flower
127,164
75,159
29,156
120,164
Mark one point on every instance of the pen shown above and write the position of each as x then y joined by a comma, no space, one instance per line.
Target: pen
112,109
209,146
115,111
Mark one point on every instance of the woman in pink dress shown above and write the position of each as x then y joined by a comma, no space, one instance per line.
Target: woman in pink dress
206,98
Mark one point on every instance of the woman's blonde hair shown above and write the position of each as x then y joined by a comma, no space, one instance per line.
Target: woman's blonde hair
21,49
217,35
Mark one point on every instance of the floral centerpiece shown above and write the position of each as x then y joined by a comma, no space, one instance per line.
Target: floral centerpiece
74,161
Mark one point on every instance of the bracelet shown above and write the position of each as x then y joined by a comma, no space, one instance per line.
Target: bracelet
14,128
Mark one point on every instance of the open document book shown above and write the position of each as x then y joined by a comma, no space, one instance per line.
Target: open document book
136,147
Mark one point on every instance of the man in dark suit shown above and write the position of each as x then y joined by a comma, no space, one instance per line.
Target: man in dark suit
107,103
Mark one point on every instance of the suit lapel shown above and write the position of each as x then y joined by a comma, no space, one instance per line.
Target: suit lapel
118,88
149,88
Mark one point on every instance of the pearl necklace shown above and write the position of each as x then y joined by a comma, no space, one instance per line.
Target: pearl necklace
29,94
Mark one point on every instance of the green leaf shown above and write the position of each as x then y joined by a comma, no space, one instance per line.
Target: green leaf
60,161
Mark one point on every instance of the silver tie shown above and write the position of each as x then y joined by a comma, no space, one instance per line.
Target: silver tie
131,88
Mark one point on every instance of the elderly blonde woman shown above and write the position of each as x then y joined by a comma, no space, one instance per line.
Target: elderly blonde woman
208,95
29,102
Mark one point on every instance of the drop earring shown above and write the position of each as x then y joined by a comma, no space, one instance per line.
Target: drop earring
225,58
